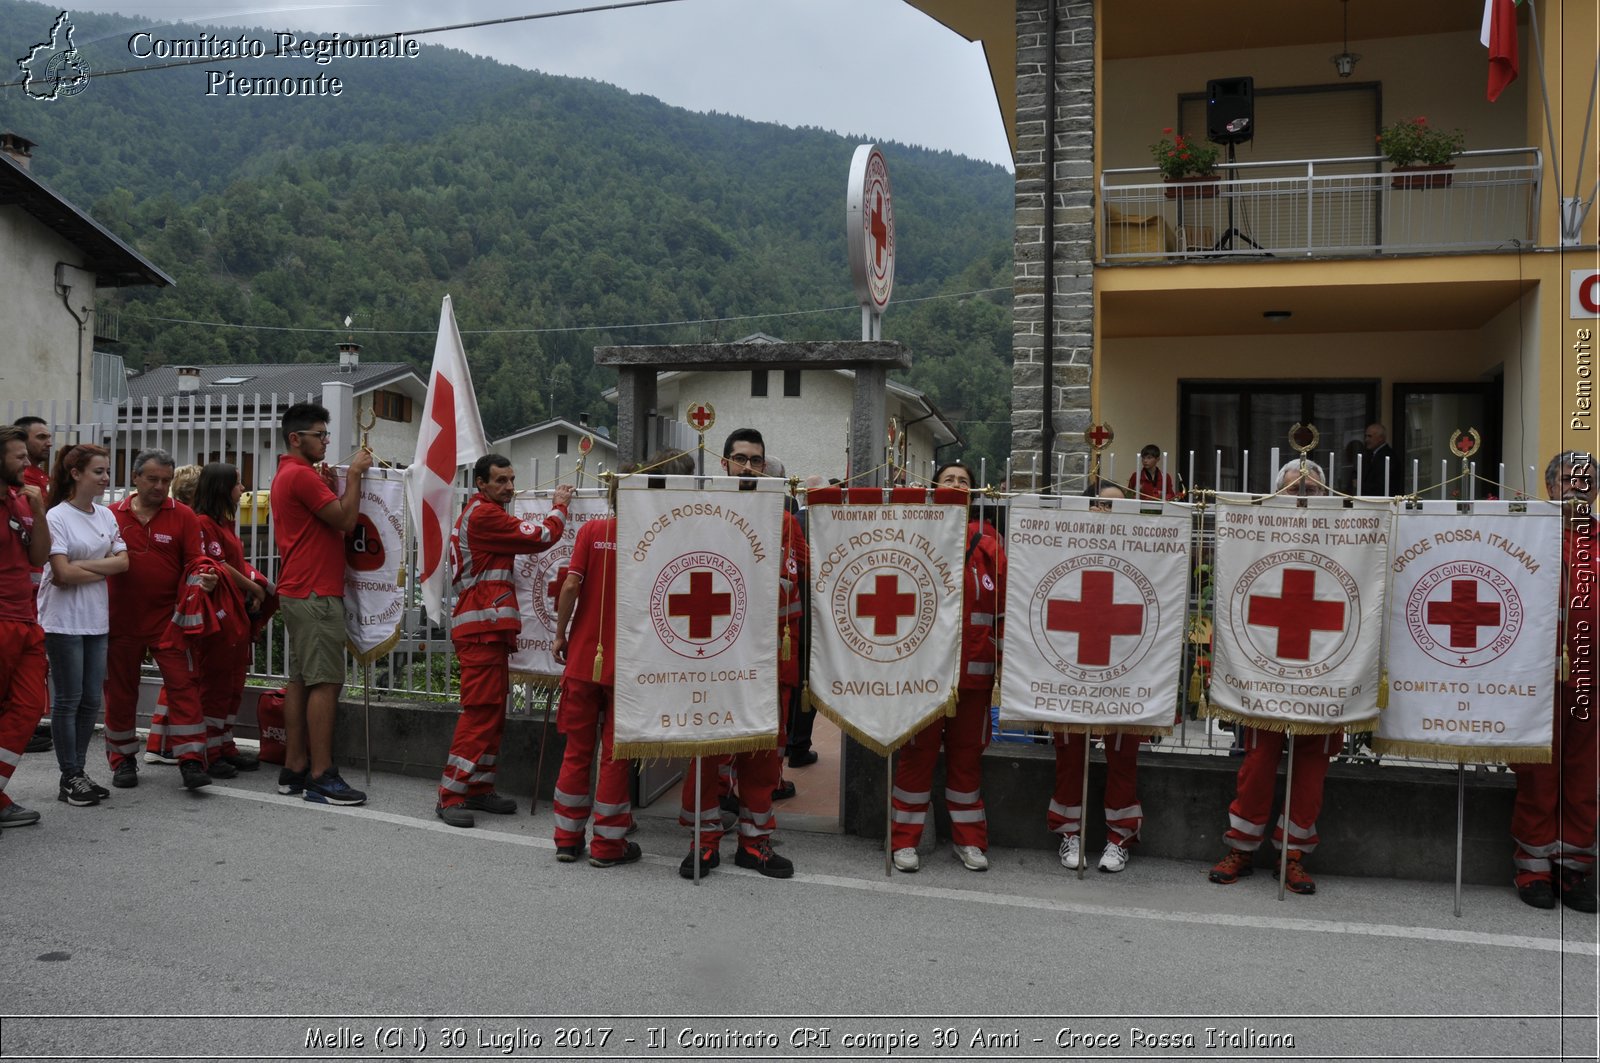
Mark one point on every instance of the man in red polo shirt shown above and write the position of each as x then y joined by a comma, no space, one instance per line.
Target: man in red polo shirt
24,545
37,474
308,526
163,536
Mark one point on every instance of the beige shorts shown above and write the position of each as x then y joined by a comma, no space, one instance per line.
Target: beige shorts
315,628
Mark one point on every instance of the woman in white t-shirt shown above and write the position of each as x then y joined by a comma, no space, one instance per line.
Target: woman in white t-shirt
75,611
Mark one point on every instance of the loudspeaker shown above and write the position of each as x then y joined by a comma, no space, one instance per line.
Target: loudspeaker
1230,110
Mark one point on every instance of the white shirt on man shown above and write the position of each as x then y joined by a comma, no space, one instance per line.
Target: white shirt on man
83,608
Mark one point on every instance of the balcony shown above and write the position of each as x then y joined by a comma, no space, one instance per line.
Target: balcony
1322,208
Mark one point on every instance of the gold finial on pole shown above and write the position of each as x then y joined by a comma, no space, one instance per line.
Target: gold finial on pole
1097,437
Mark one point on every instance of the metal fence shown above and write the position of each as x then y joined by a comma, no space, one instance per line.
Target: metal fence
1310,207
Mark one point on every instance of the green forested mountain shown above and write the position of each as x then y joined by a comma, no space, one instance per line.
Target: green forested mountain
551,209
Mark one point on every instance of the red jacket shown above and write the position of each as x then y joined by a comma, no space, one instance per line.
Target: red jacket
200,614
982,607
1159,487
485,540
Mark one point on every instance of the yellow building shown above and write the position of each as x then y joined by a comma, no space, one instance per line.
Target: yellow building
1293,288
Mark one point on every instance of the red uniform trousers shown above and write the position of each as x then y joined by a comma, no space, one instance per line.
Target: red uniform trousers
1553,819
964,736
756,774
23,694
221,668
470,768
582,705
1124,813
186,727
1258,777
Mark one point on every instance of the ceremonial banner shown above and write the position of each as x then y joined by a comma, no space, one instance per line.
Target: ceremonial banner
699,560
373,602
538,579
1474,608
1096,601
886,597
1299,614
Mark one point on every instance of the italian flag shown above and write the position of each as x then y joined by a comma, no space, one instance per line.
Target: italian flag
1499,35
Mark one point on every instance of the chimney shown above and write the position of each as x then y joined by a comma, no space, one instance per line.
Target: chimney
188,379
19,148
583,420
349,356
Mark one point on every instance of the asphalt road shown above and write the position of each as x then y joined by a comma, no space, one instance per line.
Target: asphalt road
239,914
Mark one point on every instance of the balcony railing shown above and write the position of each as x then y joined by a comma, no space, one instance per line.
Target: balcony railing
1322,207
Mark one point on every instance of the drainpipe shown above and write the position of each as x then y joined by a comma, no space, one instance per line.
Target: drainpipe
1048,439
64,289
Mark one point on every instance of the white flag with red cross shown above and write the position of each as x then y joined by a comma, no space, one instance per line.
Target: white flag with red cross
1096,601
1298,603
451,436
699,560
887,578
538,578
1473,616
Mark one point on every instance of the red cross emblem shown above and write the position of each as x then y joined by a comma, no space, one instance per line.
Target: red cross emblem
880,233
1296,614
886,605
1464,614
702,415
701,604
1463,598
1099,436
1094,618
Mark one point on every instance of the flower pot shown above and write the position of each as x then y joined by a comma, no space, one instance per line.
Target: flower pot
1196,186
1412,177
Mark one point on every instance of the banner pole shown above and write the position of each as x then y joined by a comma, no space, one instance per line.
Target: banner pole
1288,794
1083,810
694,853
366,713
888,815
544,740
1461,816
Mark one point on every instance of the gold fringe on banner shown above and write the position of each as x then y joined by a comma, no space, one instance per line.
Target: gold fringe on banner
377,651
1299,727
678,750
1095,730
945,709
1463,754
1202,705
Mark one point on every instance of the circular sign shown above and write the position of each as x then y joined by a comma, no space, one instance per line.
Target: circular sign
697,605
1296,614
1097,625
1465,614
363,546
884,604
869,227
701,416
544,574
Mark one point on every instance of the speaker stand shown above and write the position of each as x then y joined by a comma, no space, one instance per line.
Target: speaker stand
1233,233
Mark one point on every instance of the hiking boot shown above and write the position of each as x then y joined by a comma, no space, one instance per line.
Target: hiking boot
802,758
1295,877
492,803
1236,865
291,783
242,761
194,775
77,791
456,815
568,854
126,774
709,858
1537,894
1114,859
1577,890
783,791
329,789
971,857
629,855
14,815
1071,851
758,856
907,859
159,756
221,769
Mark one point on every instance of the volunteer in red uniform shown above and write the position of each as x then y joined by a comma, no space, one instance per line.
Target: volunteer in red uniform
1553,819
24,546
485,624
1258,772
37,473
964,735
1149,482
758,772
309,522
1124,814
163,537
222,659
586,610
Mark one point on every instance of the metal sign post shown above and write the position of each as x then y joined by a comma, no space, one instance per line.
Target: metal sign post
702,416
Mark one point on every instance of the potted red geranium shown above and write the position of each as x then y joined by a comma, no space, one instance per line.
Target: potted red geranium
1190,164
1421,153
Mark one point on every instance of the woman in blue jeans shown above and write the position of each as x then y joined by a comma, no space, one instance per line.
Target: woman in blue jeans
74,609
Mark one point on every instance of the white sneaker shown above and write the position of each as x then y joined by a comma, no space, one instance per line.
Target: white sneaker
159,758
906,859
1114,859
1070,851
972,856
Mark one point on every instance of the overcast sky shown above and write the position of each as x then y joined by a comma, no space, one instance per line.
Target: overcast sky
877,68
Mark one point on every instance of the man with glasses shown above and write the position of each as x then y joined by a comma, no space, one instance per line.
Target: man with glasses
1553,819
309,522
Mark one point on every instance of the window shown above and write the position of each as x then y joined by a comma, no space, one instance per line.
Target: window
1235,424
791,383
758,383
561,442
391,406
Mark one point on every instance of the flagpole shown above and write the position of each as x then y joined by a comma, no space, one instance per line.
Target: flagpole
699,810
1083,809
1288,825
544,740
366,713
888,815
1461,815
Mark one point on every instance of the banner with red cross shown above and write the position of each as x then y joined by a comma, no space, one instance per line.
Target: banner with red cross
374,604
1096,599
1473,617
886,596
538,578
1298,603
698,570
